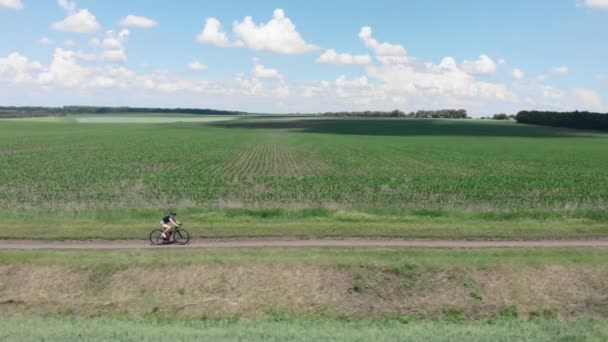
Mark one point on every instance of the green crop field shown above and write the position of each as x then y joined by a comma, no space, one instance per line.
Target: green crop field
352,169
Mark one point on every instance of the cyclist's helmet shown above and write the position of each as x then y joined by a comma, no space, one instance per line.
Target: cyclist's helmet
173,213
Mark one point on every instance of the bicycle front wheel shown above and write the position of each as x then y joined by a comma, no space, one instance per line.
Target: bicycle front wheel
181,236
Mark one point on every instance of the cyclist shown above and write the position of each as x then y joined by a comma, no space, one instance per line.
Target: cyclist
167,224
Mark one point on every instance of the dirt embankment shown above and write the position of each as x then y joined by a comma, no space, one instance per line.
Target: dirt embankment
257,290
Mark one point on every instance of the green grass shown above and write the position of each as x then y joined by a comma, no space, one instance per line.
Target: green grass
388,258
121,223
24,329
303,176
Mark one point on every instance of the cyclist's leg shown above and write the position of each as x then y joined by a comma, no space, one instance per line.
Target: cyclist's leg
165,228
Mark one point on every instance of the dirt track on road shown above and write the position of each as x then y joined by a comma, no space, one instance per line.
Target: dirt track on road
295,242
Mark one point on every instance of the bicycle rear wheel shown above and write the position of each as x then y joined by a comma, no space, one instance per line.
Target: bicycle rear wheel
181,236
156,237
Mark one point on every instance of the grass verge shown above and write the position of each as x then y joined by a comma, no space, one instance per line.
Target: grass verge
317,222
25,329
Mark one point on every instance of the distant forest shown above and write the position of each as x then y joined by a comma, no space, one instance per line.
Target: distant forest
17,112
425,114
579,120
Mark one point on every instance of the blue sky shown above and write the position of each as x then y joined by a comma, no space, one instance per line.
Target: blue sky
302,56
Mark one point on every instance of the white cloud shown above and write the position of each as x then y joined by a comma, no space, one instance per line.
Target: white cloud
197,66
330,56
255,87
69,6
64,71
16,68
138,21
82,21
12,4
560,70
279,35
114,55
114,46
316,89
69,42
261,71
115,40
482,66
443,84
45,41
598,4
212,34
359,82
588,99
89,57
385,52
518,74
94,42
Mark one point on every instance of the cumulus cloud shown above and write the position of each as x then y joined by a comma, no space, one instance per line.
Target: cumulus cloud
330,56
12,4
213,34
69,6
262,82
81,21
94,42
588,99
261,71
114,41
438,83
385,52
16,68
597,4
482,66
359,82
560,70
279,35
114,55
69,42
137,21
197,66
114,46
45,41
518,74
64,70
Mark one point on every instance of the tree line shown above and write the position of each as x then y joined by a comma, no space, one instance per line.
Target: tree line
424,114
579,120
31,111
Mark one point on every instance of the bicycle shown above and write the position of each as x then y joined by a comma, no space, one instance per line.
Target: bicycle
177,235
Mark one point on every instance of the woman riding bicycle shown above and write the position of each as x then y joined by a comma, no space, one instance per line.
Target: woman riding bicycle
167,224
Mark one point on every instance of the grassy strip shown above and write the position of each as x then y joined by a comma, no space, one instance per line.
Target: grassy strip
24,329
427,223
322,256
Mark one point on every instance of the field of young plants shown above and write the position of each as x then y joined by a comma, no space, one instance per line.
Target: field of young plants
301,163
